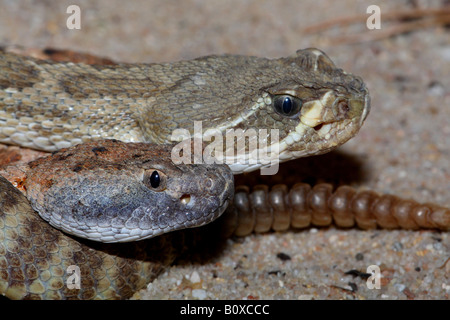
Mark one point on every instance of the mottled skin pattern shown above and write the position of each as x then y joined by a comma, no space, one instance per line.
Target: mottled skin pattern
34,257
48,105
102,190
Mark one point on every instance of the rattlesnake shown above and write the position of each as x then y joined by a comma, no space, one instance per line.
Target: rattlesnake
49,106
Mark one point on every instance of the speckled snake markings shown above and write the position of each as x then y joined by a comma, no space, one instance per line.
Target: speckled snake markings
48,106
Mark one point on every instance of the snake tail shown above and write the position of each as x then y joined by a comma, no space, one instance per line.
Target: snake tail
301,206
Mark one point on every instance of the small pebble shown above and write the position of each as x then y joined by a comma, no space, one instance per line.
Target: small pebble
397,246
283,256
199,294
195,277
399,287
359,256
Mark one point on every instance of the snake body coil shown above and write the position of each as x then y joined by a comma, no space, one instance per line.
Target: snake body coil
301,206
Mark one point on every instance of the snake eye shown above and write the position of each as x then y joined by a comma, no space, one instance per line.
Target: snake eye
155,180
286,105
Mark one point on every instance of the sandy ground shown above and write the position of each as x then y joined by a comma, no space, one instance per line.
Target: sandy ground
403,148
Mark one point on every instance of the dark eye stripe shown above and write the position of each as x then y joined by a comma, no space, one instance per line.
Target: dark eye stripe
155,179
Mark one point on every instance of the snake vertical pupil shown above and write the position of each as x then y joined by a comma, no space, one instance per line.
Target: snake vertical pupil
287,105
155,179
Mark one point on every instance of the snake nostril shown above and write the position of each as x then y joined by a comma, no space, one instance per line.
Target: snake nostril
185,199
343,107
209,183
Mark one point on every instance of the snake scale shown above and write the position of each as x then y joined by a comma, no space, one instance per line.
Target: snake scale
132,184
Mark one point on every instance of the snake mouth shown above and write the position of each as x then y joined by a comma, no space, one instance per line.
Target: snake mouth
325,124
318,127
321,126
